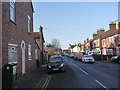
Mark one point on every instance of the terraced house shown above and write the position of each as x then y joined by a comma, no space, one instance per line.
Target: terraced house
110,40
96,42
18,44
104,42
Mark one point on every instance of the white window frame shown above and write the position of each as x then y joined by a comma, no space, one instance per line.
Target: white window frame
12,6
110,40
12,46
119,39
29,53
104,42
93,44
29,20
98,42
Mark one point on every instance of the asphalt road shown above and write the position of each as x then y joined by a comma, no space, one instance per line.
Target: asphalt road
85,75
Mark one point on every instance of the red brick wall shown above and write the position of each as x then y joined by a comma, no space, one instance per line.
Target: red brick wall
14,33
107,44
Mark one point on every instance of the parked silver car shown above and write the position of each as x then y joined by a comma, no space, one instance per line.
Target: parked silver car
88,58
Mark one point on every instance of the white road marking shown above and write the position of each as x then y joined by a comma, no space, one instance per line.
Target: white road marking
101,84
83,71
75,65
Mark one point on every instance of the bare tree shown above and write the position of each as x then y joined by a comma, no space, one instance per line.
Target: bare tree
56,43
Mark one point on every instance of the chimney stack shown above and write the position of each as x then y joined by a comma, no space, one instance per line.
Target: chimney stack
79,44
100,31
112,26
84,42
87,40
94,35
41,30
118,25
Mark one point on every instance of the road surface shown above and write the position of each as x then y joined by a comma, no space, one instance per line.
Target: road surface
85,75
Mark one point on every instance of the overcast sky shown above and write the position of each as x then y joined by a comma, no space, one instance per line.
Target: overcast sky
73,22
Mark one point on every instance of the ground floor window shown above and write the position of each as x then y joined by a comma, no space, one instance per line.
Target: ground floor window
12,54
29,52
36,54
110,51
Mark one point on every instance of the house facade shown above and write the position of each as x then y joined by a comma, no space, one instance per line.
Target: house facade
39,38
77,48
18,44
70,48
110,40
87,45
50,49
96,42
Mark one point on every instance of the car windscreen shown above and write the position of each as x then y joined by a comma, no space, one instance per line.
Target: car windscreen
55,60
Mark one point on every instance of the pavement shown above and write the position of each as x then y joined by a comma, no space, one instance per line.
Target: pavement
32,79
101,75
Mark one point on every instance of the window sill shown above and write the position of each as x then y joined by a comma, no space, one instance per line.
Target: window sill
29,33
12,22
12,63
29,59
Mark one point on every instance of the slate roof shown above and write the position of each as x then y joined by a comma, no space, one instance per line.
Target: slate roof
38,35
109,34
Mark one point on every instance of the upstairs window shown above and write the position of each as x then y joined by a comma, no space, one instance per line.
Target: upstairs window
98,42
104,42
28,24
112,40
12,10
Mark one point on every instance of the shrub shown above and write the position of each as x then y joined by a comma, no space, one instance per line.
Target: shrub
101,57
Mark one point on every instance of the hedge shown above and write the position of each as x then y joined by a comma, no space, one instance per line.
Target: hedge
102,57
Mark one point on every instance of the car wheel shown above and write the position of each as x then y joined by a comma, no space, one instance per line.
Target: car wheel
64,70
119,61
48,71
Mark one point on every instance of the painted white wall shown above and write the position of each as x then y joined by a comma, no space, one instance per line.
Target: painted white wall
76,49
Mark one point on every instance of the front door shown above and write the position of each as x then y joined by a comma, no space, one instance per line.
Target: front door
23,57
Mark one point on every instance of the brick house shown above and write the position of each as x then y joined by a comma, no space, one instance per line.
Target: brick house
70,48
118,46
50,49
87,45
110,40
39,38
18,44
96,41
77,48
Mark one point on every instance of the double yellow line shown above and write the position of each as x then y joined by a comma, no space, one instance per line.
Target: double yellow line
44,81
